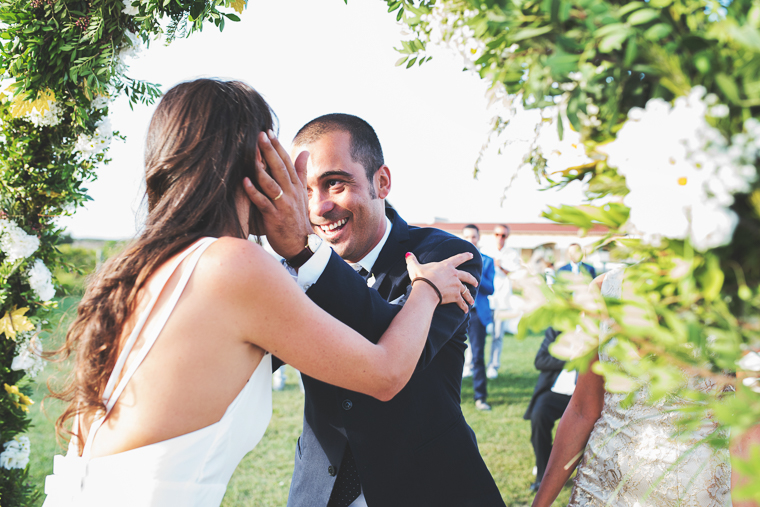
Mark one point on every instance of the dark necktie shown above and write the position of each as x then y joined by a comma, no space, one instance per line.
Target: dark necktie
362,272
347,487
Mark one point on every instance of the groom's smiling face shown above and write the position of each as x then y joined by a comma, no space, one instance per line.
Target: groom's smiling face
345,208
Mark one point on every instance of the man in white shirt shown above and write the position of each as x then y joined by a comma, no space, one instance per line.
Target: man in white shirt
505,318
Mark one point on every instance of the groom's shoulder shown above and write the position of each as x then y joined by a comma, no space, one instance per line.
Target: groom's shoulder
430,238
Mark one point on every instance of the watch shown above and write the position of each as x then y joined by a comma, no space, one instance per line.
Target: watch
312,243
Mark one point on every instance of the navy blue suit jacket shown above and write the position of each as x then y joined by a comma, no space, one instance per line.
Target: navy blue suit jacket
587,268
485,289
415,449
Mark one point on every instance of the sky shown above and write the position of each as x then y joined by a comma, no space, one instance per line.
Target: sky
313,57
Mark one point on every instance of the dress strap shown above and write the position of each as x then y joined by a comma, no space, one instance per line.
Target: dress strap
112,392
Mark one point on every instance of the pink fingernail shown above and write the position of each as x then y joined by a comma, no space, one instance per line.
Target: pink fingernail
270,134
407,254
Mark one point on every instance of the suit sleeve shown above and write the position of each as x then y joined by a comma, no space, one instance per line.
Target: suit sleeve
544,360
486,281
447,319
344,294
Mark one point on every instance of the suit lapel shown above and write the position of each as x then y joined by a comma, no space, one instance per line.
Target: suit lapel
393,252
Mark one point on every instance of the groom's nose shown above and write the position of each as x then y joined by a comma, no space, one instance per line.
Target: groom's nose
320,204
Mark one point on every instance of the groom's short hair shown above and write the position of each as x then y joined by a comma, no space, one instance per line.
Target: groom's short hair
365,146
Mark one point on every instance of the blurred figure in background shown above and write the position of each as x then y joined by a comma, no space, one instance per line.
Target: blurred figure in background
480,317
505,316
550,398
575,254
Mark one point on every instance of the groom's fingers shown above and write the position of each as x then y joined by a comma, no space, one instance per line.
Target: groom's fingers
261,201
300,166
285,157
276,164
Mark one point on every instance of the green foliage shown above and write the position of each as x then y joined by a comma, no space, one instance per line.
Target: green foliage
685,313
62,62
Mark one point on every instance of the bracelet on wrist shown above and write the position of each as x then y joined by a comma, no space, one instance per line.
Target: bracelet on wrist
440,296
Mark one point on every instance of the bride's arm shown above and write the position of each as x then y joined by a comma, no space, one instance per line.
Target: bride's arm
271,311
740,448
572,435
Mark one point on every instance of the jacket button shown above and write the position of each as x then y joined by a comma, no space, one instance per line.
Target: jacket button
332,471
347,404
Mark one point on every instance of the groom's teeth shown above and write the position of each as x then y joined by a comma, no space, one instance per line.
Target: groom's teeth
333,226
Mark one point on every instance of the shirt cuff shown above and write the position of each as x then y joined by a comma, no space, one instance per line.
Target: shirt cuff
309,273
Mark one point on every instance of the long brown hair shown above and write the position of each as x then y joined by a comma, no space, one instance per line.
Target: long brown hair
202,141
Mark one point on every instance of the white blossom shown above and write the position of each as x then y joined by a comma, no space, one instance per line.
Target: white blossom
15,243
48,118
681,172
15,453
753,383
98,142
750,362
41,280
99,102
129,9
28,353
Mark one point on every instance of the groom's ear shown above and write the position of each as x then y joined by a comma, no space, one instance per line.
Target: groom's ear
382,182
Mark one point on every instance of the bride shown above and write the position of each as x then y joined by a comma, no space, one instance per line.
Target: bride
173,338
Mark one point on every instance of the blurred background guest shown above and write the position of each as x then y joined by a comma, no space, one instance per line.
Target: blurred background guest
480,317
575,254
550,398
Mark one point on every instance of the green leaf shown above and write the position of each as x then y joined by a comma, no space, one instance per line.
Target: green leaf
411,62
401,60
631,51
629,7
728,86
712,279
613,41
528,33
643,16
658,32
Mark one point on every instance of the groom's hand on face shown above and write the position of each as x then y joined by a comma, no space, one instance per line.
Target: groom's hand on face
281,196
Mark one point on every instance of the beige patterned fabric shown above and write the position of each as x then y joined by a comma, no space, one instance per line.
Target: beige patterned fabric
634,459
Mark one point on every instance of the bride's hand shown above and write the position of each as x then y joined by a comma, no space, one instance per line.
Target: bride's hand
446,278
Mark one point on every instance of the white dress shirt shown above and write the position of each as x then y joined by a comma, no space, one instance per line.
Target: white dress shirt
312,269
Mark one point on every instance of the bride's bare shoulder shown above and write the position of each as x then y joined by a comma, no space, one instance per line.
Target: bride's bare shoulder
231,261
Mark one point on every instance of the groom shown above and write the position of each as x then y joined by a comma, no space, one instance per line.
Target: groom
416,449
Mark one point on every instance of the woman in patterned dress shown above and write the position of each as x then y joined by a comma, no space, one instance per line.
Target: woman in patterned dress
632,457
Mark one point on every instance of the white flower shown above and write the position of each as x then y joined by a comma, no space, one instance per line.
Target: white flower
15,243
48,118
753,383
98,142
99,102
129,9
41,280
750,362
15,453
681,172
28,353
719,111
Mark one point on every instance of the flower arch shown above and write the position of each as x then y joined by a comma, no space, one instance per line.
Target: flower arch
63,63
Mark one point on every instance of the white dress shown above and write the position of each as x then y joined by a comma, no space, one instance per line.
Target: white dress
191,470
633,460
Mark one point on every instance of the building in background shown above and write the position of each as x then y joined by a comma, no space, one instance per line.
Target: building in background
539,244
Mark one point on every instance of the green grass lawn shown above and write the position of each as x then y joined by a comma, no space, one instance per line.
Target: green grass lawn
263,478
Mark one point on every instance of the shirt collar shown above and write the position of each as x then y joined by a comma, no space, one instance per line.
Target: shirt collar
368,261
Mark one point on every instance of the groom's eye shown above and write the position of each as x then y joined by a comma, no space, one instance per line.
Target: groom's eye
333,183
